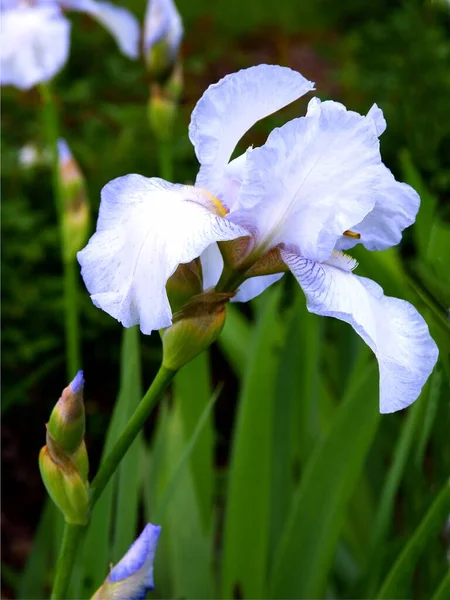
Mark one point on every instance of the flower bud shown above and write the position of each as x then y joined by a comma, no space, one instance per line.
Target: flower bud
64,485
194,328
163,31
64,461
75,208
67,421
185,283
132,577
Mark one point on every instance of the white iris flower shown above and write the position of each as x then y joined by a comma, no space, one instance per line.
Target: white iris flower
36,36
162,22
316,187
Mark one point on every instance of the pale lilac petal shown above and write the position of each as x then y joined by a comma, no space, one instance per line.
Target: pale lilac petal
120,22
132,577
35,45
146,228
212,266
395,209
375,115
162,21
231,107
315,178
255,286
392,328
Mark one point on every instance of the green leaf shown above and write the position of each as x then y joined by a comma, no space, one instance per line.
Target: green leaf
403,568
386,502
192,391
443,591
188,547
305,553
246,532
34,579
234,340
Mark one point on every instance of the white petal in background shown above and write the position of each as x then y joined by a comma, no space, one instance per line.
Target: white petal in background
231,107
162,20
34,45
146,228
313,179
392,328
120,22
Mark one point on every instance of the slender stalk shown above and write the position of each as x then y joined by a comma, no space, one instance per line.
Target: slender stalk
135,424
69,267
165,159
71,538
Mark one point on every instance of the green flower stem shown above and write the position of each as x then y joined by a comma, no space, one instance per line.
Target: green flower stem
165,159
71,539
73,533
135,424
69,267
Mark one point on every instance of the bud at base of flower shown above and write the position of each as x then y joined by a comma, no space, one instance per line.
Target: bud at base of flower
194,328
185,283
65,486
67,420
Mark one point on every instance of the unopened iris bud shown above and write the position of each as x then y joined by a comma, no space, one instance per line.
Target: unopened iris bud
162,110
67,421
64,485
63,461
163,31
132,577
194,328
75,209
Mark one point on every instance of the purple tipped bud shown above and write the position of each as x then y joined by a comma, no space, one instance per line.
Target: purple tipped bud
67,421
132,577
78,383
163,31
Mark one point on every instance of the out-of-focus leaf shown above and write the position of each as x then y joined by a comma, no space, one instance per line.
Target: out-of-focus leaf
305,553
401,572
425,217
234,340
246,532
34,579
192,391
443,591
385,510
189,548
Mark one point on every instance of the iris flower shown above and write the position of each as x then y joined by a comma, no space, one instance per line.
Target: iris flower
162,22
317,187
132,577
36,36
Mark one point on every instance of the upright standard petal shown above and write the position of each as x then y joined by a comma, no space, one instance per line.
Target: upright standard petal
146,228
120,22
392,328
313,179
132,577
35,45
230,107
162,20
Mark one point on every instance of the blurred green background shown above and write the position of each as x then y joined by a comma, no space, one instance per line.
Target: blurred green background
295,487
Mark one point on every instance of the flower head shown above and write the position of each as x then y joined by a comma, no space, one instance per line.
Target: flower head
36,36
316,187
132,577
162,24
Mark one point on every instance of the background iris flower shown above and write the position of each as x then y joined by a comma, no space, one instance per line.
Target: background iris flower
36,36
316,186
